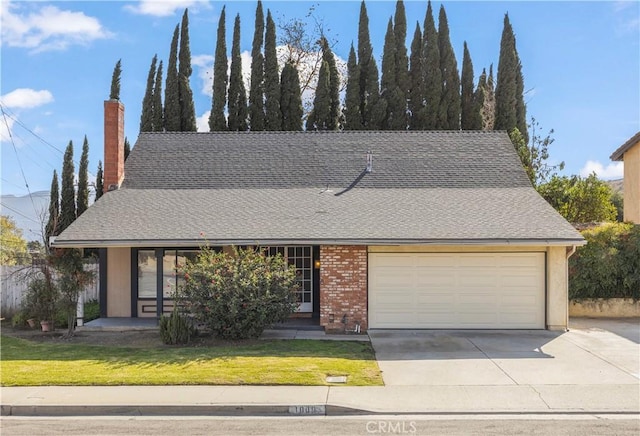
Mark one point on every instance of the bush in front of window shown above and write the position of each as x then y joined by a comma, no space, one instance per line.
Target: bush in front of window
237,295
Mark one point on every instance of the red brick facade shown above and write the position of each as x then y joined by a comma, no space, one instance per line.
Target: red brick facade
113,143
343,287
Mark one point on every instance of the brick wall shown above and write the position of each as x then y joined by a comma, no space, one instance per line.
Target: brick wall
343,286
113,171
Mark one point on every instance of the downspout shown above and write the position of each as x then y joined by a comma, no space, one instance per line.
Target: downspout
570,251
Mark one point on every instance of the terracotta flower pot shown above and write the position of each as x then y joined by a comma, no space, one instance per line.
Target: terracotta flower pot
47,326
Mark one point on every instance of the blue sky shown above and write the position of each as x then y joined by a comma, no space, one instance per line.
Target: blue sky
581,63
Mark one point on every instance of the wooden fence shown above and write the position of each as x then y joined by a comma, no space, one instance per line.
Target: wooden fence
15,279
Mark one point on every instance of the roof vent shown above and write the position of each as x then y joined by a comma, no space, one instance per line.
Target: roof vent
369,161
113,187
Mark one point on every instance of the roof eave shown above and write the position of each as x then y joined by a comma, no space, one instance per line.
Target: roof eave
618,155
168,243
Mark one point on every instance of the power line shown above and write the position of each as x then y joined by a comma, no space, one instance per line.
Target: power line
19,213
4,117
11,183
16,120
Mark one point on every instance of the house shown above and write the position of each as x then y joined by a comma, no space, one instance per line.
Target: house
387,229
629,152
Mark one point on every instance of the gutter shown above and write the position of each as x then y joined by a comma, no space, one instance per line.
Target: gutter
362,242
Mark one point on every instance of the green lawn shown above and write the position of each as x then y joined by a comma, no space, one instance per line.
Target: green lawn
277,362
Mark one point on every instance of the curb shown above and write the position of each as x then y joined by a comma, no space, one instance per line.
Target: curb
188,410
259,410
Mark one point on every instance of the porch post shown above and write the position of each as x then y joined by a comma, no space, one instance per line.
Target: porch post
159,282
102,289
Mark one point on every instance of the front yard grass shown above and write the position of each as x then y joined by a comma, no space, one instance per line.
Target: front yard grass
276,362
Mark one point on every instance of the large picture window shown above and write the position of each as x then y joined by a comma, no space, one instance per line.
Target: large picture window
147,274
148,271
171,262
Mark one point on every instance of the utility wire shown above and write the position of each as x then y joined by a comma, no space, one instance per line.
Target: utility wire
16,120
4,117
19,213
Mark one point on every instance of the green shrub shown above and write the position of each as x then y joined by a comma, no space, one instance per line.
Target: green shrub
609,265
19,319
176,328
91,310
237,296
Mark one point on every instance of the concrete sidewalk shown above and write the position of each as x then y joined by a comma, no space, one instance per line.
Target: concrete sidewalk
592,369
318,400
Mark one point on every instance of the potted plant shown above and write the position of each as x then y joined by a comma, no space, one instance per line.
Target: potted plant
42,297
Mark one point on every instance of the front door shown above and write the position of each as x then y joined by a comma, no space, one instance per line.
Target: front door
302,258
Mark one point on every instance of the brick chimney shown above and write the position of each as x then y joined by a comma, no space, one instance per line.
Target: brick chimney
113,144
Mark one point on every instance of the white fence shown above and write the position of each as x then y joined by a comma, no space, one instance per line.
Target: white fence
14,281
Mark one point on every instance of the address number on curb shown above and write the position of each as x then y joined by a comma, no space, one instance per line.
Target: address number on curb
307,410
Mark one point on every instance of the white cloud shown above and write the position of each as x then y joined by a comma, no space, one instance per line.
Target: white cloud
614,170
26,98
47,27
163,8
204,64
202,122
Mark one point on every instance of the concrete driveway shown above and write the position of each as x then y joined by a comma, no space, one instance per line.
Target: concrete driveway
593,352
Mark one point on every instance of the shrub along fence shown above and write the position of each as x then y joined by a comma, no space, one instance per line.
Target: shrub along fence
609,265
14,283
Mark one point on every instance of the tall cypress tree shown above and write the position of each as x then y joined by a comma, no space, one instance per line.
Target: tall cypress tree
402,61
187,108
114,94
489,112
146,118
172,120
290,98
373,109
416,83
318,119
334,85
477,111
256,92
396,104
158,112
431,74
83,179
467,106
99,181
127,148
53,222
217,120
273,116
449,110
237,93
510,107
68,193
352,114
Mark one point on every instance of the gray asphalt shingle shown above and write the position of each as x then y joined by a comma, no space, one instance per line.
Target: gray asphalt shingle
283,187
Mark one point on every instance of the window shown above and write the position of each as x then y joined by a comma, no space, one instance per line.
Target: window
148,271
147,274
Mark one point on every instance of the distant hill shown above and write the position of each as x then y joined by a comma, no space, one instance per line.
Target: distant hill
616,185
28,215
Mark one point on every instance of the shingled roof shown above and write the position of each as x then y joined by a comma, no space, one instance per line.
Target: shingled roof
619,153
312,188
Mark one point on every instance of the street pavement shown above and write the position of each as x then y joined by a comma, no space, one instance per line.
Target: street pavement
593,368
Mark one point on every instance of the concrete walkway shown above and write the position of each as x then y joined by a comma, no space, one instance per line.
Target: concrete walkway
588,370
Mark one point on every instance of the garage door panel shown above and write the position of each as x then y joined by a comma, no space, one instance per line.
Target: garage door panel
456,290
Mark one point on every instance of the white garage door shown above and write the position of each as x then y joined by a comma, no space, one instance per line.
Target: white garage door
456,290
